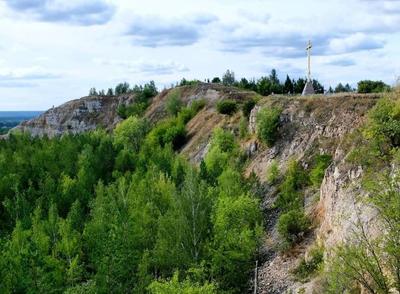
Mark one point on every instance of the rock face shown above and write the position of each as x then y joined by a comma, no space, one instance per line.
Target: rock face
309,127
77,116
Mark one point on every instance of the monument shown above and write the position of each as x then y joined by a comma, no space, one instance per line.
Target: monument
308,88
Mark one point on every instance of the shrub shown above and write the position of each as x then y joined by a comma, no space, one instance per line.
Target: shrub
384,119
313,264
170,131
131,132
368,86
273,173
267,125
292,224
247,107
174,103
289,196
223,140
243,128
227,106
321,162
198,105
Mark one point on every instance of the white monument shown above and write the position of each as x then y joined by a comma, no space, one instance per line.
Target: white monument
308,88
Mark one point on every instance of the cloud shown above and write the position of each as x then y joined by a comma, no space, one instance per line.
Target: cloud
147,66
26,74
85,13
153,31
16,84
341,62
353,43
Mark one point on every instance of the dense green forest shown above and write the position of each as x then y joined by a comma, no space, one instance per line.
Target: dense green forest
123,213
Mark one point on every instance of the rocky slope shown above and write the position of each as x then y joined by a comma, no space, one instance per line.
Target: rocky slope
308,126
76,116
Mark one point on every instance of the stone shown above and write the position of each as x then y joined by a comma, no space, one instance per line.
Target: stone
308,89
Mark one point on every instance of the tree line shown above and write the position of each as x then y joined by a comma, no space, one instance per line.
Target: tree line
124,213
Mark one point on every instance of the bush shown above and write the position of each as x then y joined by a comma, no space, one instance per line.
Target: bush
171,131
227,106
247,107
174,103
223,140
289,196
384,119
368,86
292,225
131,132
321,162
198,105
243,128
267,125
313,264
273,173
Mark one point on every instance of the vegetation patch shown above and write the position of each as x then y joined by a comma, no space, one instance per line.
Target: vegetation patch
317,172
227,106
314,264
267,125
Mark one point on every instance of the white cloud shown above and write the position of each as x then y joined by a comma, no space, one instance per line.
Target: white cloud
51,44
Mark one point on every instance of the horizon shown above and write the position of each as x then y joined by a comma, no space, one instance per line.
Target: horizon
55,51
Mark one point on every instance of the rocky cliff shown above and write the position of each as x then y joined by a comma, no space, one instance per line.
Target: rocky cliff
76,116
308,126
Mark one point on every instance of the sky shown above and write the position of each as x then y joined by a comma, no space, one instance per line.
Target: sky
52,51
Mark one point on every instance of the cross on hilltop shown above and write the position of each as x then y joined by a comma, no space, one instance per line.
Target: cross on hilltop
308,88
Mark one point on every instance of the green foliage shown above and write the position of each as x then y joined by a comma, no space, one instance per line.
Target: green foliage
247,107
228,78
289,196
320,164
173,103
368,86
227,106
170,131
272,175
184,287
384,120
236,229
311,265
267,125
121,213
292,224
371,262
131,132
243,128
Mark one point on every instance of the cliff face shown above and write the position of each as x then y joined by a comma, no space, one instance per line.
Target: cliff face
76,116
308,127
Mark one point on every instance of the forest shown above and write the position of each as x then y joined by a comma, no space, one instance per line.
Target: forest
122,212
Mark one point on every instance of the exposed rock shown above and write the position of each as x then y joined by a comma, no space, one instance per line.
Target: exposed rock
77,116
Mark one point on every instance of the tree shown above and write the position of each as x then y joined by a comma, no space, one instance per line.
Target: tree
216,80
93,92
318,88
299,85
267,125
288,86
228,78
130,133
184,287
340,88
174,103
237,231
122,88
110,92
368,86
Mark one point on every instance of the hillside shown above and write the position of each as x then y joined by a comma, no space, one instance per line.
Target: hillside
308,127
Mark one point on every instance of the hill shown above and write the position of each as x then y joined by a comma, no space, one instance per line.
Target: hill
309,163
